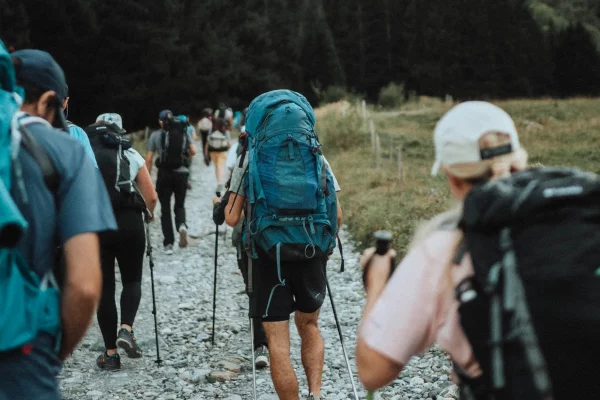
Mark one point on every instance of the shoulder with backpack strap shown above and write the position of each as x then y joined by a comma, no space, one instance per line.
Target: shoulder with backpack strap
292,206
532,309
21,290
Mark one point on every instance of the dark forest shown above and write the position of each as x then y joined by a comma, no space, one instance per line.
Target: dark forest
136,57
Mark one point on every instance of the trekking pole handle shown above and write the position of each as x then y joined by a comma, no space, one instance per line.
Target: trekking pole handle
147,215
383,241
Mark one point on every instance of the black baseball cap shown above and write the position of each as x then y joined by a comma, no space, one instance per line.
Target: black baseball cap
38,68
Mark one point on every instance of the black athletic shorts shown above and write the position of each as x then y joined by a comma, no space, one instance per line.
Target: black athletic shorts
303,289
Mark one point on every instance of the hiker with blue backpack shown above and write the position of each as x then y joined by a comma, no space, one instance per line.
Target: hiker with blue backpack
285,191
507,283
132,194
50,194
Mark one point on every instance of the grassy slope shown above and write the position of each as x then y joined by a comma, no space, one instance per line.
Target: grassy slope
554,132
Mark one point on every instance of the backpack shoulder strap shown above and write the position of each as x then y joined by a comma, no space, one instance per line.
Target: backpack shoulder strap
461,251
41,157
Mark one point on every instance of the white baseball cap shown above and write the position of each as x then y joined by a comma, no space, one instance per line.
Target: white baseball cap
112,118
457,134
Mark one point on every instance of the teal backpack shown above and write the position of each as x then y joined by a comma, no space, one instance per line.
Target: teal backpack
292,204
28,305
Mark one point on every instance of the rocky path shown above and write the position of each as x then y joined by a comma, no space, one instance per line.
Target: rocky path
192,368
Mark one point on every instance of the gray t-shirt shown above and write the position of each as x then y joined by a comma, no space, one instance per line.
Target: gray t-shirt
155,145
238,174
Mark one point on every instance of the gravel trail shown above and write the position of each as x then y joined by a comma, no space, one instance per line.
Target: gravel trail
184,308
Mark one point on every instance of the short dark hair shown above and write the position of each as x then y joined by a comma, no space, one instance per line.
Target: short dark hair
32,92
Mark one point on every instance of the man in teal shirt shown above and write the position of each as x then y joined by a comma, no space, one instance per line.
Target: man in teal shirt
76,132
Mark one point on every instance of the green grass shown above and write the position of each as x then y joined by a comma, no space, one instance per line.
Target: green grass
554,132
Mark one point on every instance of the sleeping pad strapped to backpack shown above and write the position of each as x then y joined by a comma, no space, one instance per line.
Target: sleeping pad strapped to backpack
532,310
292,204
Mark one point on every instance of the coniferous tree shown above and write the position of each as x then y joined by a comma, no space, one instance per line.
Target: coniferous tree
577,63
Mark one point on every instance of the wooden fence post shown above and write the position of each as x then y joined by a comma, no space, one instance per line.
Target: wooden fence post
372,131
364,109
400,169
377,151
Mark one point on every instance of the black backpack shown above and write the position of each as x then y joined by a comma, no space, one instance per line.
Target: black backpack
174,144
532,310
221,113
109,145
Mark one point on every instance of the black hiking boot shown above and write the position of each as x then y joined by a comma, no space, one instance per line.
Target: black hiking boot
127,342
109,363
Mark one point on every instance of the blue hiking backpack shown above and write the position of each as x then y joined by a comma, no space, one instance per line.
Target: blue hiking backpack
292,204
28,305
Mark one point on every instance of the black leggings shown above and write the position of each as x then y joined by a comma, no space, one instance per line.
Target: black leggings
127,246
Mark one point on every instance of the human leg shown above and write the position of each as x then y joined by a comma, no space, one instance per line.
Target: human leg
313,349
272,300
180,190
260,338
131,259
282,371
107,309
164,189
221,159
309,285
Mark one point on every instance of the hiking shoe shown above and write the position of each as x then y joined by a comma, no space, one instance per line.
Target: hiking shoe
261,357
169,249
183,242
109,363
127,342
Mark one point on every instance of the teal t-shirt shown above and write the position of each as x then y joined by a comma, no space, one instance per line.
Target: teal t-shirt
79,134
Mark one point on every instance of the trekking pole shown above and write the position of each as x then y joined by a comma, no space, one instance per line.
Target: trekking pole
215,284
383,241
147,218
339,328
253,360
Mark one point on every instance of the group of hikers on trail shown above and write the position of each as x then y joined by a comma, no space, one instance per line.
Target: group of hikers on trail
507,282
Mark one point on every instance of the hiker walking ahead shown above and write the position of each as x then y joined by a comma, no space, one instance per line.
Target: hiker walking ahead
217,145
465,287
204,127
52,195
173,146
287,194
225,113
124,172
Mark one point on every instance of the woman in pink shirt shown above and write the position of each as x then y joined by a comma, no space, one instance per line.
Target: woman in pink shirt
474,142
